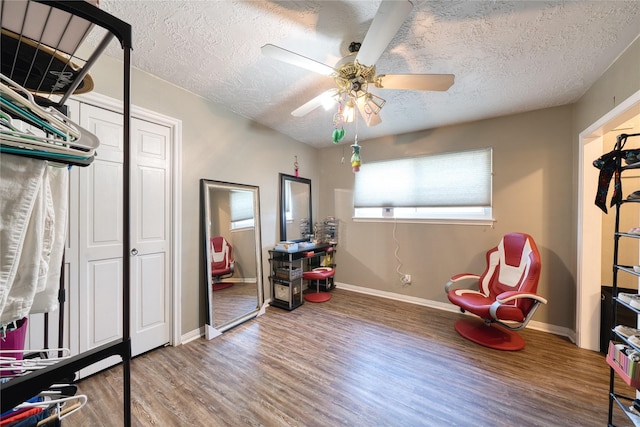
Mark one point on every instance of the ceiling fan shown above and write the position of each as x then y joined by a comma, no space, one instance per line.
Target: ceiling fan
356,72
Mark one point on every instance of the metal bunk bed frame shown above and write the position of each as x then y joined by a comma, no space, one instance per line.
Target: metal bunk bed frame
22,388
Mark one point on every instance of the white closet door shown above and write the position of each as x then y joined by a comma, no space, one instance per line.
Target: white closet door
100,246
150,230
100,236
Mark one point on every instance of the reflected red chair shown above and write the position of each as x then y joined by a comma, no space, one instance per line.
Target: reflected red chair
222,262
504,297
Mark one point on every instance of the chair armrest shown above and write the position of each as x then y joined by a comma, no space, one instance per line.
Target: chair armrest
511,295
459,277
508,296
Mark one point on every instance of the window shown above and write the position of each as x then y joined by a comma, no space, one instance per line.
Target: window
448,186
241,209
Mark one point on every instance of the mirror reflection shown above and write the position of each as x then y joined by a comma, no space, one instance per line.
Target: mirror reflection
232,253
295,208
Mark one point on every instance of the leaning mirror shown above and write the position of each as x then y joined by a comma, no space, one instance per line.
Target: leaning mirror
232,253
295,208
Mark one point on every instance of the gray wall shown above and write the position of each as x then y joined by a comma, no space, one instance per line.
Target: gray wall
531,193
618,83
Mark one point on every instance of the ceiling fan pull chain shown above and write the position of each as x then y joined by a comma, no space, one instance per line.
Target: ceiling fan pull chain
356,161
338,124
355,157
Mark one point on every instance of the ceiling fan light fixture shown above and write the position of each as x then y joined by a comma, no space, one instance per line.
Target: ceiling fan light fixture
373,104
349,112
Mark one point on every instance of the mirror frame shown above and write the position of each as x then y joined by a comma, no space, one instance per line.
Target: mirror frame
284,178
212,330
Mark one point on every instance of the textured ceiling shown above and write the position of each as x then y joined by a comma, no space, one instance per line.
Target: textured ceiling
508,57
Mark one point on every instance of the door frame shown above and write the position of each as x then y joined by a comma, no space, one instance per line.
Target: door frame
589,231
175,126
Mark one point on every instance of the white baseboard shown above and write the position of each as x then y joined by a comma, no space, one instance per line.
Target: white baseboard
191,336
539,326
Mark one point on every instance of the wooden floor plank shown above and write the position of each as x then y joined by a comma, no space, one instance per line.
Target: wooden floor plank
356,360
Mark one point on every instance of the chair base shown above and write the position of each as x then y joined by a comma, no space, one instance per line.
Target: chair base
493,336
317,296
221,285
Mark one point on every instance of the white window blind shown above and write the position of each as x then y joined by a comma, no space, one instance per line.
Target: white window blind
456,179
241,205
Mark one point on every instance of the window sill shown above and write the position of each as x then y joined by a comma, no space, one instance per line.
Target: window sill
445,221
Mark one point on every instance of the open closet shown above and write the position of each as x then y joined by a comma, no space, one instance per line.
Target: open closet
48,49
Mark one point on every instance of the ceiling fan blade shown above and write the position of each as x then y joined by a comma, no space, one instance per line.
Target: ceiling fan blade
293,58
439,82
311,105
388,20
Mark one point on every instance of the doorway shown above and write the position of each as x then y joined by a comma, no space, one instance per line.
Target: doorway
589,232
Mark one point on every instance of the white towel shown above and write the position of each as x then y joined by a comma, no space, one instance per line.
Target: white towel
46,299
20,182
49,226
27,229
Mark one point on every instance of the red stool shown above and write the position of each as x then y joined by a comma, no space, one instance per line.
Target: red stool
318,274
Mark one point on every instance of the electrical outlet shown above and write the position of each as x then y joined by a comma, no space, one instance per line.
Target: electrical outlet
406,279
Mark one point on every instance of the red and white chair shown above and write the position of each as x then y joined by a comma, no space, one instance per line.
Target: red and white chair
504,297
222,262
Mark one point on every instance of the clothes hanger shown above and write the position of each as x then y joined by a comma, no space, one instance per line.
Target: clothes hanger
62,411
27,116
26,107
54,158
49,119
61,390
11,365
26,143
7,121
14,145
28,139
42,143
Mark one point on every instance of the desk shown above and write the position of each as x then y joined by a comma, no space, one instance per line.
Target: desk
286,273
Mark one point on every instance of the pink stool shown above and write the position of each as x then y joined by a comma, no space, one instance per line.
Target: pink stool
317,274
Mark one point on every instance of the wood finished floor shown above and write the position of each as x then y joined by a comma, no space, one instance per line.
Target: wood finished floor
356,360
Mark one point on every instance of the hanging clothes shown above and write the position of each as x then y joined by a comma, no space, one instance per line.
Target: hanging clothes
46,298
22,217
609,165
28,237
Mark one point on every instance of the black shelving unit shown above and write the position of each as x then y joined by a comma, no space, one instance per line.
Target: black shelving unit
24,387
615,398
286,271
286,278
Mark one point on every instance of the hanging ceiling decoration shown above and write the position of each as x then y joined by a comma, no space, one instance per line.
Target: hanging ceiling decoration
355,74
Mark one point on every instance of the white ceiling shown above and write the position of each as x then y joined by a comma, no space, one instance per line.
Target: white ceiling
508,57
